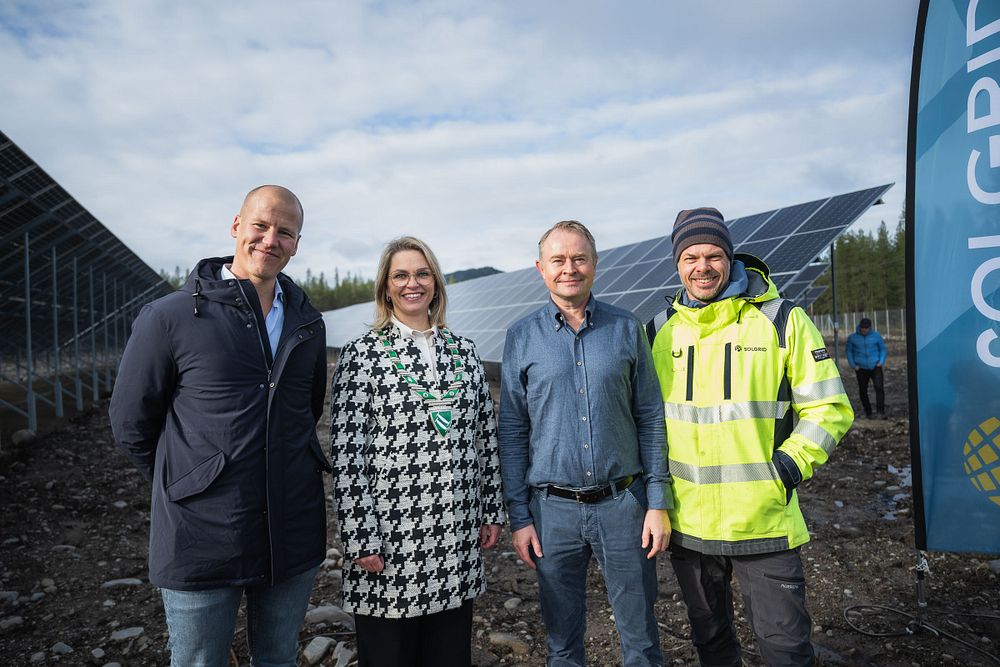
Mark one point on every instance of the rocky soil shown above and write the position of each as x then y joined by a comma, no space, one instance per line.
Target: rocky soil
73,586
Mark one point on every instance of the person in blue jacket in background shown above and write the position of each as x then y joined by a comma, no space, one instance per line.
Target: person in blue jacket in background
866,355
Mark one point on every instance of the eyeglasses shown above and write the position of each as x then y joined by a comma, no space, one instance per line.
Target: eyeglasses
402,279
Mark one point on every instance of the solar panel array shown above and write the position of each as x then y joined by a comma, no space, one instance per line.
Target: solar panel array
59,230
639,276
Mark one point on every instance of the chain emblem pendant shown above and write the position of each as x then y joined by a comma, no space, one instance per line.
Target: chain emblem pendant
441,414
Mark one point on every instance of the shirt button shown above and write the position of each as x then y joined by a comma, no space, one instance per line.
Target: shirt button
261,386
581,391
589,474
586,445
579,363
249,325
583,419
239,300
272,385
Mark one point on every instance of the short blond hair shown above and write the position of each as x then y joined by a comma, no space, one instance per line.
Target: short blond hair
383,307
570,226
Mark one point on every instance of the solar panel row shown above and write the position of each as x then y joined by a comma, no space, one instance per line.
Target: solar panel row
61,236
639,276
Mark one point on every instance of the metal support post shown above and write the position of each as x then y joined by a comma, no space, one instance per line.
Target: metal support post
93,342
32,413
836,315
115,310
77,384
104,313
57,376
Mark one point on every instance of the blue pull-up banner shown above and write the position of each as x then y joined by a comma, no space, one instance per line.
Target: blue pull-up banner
953,275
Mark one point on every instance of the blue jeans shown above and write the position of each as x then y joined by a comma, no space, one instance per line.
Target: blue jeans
611,530
201,623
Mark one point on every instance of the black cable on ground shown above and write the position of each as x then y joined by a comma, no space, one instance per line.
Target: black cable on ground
914,626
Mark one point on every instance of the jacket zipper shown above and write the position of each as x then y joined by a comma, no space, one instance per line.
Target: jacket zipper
267,433
727,381
690,374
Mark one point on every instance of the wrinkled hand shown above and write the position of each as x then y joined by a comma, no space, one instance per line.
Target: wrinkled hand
489,535
656,532
524,539
374,563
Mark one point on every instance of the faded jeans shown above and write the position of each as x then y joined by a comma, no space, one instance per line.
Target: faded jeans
201,623
611,531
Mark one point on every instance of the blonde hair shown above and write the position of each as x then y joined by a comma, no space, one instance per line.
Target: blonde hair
570,226
383,307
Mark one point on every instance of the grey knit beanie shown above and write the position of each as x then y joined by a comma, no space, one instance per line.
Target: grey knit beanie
700,225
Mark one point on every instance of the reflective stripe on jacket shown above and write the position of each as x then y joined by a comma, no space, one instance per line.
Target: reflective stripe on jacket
732,386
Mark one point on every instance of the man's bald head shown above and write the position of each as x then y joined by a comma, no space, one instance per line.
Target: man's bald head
277,192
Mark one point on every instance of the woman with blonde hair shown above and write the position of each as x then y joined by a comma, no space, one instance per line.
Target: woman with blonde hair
416,471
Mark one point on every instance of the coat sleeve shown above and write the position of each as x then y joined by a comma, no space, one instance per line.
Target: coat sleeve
487,448
319,380
350,416
882,351
849,350
818,397
144,387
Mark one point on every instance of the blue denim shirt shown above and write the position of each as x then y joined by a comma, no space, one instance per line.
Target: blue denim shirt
579,409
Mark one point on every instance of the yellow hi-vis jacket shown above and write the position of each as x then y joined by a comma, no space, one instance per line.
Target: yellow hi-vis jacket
733,375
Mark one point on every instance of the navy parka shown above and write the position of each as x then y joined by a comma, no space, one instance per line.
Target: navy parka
226,433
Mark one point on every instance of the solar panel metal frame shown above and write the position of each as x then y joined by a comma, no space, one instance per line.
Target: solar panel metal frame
60,270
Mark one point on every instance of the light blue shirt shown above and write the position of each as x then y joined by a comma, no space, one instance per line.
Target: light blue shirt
275,319
579,409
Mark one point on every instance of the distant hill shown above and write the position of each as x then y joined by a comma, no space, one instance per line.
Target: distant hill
469,274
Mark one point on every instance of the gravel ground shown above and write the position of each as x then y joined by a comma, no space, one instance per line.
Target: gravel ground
73,587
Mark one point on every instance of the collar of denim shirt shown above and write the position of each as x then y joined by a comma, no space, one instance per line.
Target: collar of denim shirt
552,310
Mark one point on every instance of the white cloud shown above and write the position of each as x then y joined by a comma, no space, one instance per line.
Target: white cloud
474,125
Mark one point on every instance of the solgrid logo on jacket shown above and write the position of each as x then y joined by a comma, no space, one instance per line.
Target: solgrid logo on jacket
748,365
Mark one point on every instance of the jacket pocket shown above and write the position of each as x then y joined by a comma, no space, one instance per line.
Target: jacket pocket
197,479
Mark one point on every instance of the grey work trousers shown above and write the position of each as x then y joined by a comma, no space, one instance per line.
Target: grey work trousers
774,598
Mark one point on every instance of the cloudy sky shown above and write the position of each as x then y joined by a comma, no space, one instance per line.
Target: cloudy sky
474,125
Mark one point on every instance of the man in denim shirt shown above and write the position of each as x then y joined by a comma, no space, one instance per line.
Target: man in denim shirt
583,453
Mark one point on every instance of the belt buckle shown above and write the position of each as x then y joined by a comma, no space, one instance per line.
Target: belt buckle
578,496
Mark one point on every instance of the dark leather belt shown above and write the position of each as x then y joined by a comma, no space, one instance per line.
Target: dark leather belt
593,494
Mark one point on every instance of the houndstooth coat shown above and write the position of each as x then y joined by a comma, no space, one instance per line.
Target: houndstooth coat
403,491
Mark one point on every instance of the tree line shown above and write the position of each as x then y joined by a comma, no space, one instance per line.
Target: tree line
870,269
344,291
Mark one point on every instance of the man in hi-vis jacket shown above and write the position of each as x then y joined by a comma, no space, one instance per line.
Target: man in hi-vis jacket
736,365
217,399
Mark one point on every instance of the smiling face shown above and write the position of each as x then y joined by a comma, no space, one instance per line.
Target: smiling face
267,235
411,288
704,271
568,267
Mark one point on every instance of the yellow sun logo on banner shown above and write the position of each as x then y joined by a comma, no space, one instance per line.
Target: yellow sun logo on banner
982,458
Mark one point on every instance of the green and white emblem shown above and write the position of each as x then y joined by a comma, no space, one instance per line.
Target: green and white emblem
441,420
439,408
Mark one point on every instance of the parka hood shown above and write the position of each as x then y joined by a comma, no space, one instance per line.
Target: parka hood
204,283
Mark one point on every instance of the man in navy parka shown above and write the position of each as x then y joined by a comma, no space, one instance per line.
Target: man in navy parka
217,398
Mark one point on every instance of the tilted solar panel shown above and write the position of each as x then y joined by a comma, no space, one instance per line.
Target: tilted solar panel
639,276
